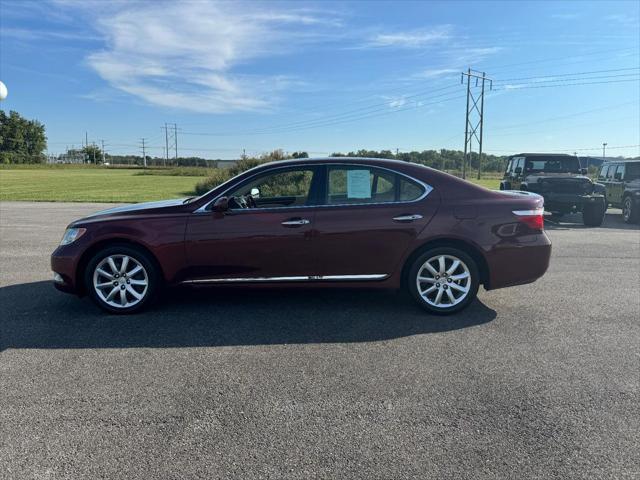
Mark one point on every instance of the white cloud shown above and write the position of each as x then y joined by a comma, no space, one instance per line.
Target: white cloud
410,39
185,54
436,72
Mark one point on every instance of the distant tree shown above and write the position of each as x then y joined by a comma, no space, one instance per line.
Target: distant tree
299,155
92,154
21,140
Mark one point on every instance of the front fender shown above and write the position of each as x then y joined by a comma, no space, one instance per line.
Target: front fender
599,188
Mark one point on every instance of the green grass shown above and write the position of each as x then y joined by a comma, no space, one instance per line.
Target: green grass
82,184
492,183
74,183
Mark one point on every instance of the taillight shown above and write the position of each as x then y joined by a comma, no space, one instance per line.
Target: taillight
534,219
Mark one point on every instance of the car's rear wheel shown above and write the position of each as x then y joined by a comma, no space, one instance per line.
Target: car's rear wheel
444,280
593,213
630,212
121,279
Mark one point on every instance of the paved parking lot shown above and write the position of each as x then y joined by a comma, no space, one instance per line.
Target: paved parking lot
537,381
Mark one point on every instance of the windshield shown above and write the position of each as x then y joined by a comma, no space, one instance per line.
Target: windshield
552,165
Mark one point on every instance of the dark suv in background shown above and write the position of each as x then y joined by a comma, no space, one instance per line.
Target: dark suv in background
561,180
622,182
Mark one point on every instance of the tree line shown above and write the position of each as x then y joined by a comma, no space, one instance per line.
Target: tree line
21,140
25,141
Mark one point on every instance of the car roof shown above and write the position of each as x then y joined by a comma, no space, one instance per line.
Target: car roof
621,160
562,155
371,160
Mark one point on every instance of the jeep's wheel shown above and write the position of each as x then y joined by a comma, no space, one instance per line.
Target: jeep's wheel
630,212
443,280
121,279
593,213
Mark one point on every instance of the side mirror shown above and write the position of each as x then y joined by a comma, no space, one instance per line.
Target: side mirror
255,192
221,205
518,170
583,171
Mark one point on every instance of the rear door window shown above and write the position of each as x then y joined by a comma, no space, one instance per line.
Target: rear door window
619,175
356,184
632,171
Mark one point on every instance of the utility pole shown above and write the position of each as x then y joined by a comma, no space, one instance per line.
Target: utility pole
144,154
86,144
472,129
104,157
604,150
166,144
175,136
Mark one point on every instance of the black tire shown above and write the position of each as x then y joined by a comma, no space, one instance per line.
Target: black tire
153,278
472,285
593,213
630,211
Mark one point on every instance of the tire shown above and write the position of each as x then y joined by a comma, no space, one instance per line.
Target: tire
630,211
593,213
127,290
463,294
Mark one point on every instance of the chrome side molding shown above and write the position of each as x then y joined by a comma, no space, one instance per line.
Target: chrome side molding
407,218
307,278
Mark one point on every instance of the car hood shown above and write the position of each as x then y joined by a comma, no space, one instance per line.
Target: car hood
138,207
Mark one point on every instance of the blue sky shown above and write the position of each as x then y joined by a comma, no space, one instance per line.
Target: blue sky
323,76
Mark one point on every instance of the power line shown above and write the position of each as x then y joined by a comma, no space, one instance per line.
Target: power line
517,87
502,80
559,80
574,149
355,113
561,117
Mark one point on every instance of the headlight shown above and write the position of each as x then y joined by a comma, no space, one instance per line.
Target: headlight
71,235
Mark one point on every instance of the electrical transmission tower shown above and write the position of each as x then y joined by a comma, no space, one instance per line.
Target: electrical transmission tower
170,138
474,116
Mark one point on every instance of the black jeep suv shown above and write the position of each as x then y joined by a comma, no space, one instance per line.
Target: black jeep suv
561,180
621,179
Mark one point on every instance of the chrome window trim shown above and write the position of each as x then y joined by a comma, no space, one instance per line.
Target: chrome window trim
301,278
427,190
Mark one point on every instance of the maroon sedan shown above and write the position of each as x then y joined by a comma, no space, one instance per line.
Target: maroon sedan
348,222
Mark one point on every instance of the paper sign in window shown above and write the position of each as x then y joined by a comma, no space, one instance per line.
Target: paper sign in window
358,184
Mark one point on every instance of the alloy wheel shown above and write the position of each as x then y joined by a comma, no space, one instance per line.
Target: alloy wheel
626,209
443,281
120,281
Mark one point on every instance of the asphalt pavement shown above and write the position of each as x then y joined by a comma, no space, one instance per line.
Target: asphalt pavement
536,381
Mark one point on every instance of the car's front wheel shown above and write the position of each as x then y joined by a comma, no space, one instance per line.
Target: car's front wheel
630,212
444,280
121,279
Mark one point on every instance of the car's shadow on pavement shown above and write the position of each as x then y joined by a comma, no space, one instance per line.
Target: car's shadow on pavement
612,219
35,315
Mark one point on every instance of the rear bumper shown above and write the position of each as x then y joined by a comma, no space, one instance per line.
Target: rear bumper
517,264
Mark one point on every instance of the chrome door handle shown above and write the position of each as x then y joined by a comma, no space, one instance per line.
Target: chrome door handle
296,222
407,218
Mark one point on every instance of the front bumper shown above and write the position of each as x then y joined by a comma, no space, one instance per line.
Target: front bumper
569,201
64,267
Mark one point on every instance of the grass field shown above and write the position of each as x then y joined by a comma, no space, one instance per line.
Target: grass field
91,184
